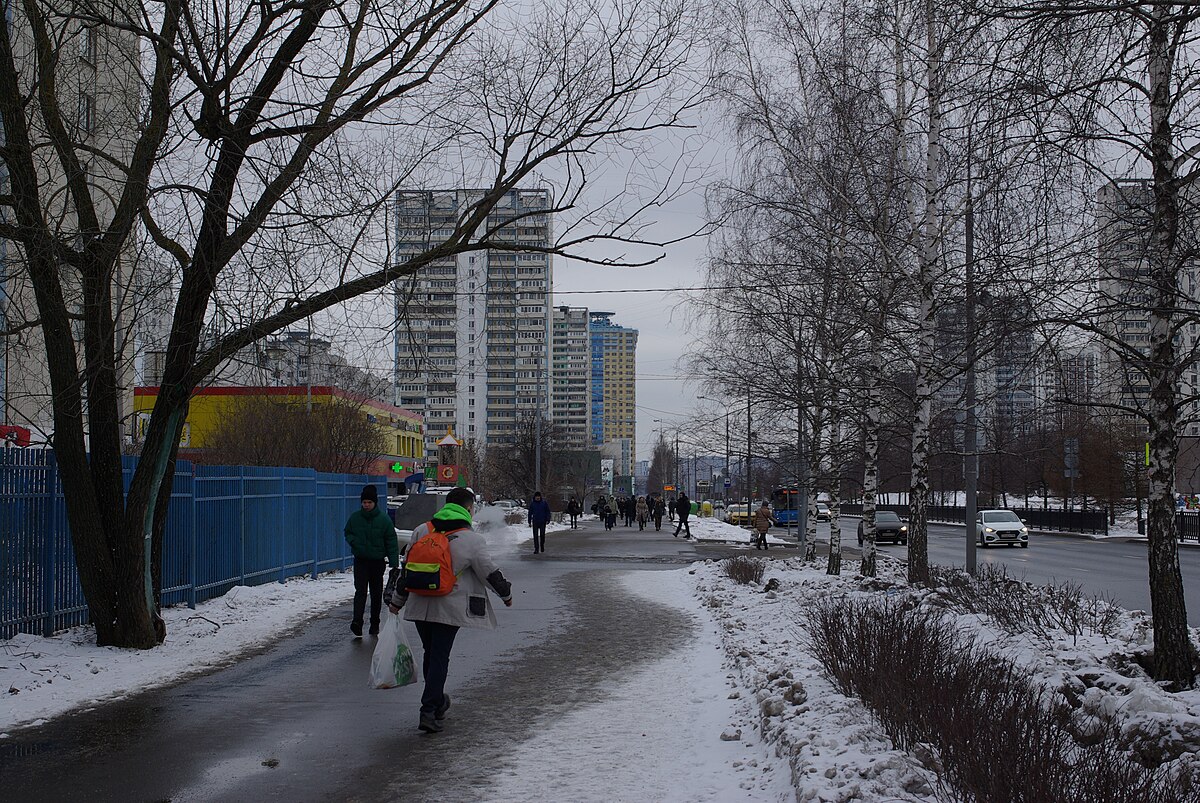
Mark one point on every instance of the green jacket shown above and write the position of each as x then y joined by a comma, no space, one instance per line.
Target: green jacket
371,535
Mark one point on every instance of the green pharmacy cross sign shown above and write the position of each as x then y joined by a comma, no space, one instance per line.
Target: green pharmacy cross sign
397,468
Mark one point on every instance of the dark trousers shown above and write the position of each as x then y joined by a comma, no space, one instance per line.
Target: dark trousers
683,524
539,538
368,576
574,520
437,640
658,521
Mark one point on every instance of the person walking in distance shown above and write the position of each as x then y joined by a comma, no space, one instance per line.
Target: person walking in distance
610,514
763,520
630,511
539,517
683,509
372,538
573,510
643,512
439,615
658,508
671,509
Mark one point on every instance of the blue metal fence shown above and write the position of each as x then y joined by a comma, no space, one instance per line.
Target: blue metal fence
226,526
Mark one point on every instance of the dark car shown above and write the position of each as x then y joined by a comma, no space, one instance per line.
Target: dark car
888,527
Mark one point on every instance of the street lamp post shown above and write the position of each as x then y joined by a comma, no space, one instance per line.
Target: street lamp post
970,436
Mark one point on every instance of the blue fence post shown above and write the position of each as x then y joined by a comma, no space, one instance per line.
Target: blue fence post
316,527
242,528
281,550
49,535
195,519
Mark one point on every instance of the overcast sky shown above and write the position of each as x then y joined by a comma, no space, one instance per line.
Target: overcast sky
666,333
697,157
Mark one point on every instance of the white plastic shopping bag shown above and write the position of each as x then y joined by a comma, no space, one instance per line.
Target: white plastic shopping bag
392,664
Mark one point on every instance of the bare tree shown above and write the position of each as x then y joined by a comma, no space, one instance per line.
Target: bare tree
336,437
1113,86
266,140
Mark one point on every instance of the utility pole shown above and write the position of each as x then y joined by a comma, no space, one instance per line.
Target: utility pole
970,436
749,449
725,478
677,463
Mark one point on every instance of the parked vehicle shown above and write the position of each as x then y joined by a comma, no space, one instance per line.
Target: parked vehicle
1001,527
736,514
888,527
823,513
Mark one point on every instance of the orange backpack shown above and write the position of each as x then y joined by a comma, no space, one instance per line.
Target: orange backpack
429,567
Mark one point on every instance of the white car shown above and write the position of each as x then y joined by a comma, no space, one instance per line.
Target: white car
1001,527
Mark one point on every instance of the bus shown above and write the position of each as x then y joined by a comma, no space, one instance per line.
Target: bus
785,502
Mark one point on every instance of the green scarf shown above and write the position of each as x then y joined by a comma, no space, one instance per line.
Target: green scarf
454,512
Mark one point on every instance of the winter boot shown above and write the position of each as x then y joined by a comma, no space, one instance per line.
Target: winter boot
429,724
356,629
440,713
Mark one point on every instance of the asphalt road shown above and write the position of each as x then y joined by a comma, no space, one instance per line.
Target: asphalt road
1114,569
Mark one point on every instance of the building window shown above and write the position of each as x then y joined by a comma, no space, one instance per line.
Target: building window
87,113
87,45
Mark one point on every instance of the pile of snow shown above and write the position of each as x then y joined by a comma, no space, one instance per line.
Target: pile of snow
837,750
707,529
43,677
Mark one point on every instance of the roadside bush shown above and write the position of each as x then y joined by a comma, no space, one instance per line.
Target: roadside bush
995,736
742,569
1017,606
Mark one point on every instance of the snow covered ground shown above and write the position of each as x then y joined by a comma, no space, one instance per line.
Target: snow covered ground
742,713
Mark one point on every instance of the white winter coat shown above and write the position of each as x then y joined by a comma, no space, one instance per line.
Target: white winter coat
468,604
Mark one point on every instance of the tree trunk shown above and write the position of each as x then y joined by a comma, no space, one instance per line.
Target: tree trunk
918,500
871,461
1173,651
834,566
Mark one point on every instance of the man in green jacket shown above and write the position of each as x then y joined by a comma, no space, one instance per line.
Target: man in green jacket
372,538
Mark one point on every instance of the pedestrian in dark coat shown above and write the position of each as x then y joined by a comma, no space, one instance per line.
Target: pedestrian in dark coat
630,510
683,509
762,522
659,508
539,517
610,514
573,510
372,538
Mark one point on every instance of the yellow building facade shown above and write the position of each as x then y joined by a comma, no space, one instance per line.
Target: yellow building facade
403,430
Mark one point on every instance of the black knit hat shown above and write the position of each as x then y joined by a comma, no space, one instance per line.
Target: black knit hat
369,493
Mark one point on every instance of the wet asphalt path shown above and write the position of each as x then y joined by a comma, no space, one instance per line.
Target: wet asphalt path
297,722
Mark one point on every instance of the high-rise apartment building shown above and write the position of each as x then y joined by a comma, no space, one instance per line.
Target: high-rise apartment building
571,376
1006,369
614,371
98,90
471,337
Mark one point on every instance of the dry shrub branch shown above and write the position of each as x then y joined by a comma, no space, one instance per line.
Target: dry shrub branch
991,734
